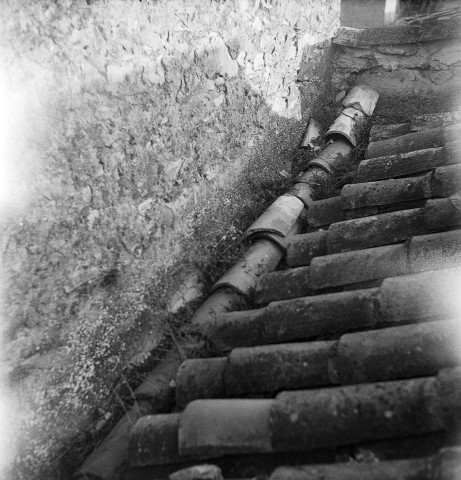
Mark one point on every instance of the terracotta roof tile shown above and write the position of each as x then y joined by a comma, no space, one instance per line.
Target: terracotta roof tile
216,427
309,419
295,319
321,417
200,378
301,249
324,212
378,209
435,137
419,297
361,357
283,284
386,228
401,164
424,468
385,192
383,132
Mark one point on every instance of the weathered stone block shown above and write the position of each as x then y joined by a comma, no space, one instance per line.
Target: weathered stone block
218,59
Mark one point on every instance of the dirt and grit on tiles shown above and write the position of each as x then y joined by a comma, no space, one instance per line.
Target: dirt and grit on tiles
231,243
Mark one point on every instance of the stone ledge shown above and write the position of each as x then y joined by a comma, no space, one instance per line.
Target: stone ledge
424,31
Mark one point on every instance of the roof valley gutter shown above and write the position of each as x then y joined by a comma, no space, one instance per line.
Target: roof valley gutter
268,237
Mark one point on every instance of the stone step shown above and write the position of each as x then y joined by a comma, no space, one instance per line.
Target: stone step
417,297
373,231
441,182
305,420
362,357
404,164
420,253
436,137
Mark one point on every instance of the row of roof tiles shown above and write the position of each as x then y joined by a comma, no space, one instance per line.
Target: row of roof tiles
301,420
379,396
397,301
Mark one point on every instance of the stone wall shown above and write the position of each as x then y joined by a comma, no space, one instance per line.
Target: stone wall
128,126
401,71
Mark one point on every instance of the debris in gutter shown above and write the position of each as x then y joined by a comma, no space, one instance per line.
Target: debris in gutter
313,133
